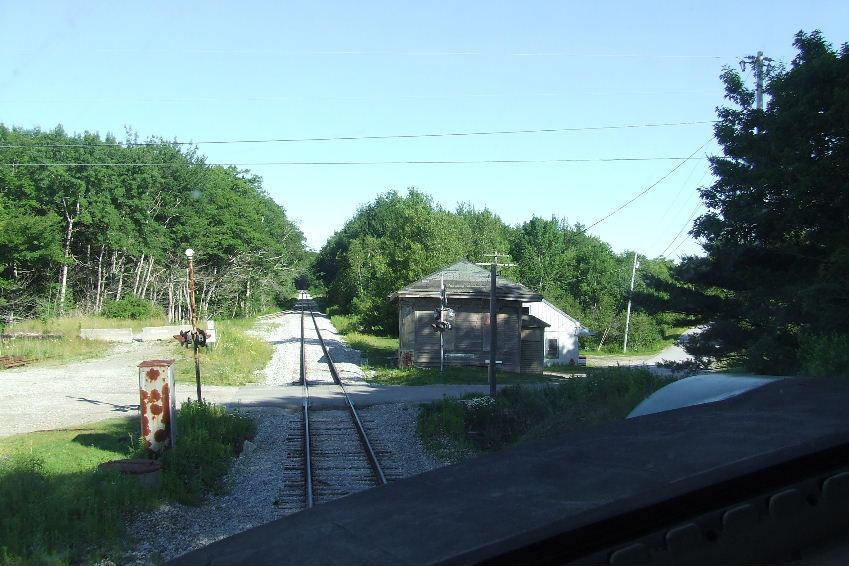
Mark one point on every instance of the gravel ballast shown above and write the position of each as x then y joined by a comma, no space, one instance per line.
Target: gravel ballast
256,478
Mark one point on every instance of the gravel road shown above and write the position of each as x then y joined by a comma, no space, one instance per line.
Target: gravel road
673,353
47,397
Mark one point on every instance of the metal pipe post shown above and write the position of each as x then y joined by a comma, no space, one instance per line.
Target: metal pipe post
190,254
630,295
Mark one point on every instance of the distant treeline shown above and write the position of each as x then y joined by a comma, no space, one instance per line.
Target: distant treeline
86,221
96,226
398,239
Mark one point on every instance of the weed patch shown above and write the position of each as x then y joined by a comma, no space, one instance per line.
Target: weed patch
236,358
58,507
209,438
451,376
452,429
70,346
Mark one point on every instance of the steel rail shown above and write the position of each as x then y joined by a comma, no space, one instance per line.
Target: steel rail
361,432
306,407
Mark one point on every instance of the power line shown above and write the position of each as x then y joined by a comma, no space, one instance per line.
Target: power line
362,52
673,201
681,243
685,184
650,187
686,223
333,163
355,97
370,137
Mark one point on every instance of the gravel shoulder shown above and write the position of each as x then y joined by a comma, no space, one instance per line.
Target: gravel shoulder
256,479
256,482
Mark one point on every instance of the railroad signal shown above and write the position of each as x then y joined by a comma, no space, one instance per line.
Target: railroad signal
443,318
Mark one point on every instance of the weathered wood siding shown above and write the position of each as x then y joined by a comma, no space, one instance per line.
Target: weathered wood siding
532,360
467,343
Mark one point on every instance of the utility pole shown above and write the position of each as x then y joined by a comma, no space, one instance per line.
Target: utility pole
493,315
628,315
758,62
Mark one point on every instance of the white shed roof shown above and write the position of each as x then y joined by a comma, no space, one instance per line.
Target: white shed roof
558,319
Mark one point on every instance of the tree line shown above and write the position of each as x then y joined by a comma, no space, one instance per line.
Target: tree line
400,238
86,222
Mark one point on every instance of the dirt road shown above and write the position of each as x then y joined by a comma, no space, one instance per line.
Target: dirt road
673,353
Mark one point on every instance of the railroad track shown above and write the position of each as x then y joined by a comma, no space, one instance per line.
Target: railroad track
329,452
9,362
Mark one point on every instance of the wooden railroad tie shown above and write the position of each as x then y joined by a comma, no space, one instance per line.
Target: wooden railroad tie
8,362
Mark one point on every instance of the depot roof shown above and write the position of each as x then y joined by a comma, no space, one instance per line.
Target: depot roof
466,280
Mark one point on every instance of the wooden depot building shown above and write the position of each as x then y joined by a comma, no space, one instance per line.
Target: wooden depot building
467,342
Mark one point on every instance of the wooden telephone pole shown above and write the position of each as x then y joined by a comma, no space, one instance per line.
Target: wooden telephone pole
761,66
493,315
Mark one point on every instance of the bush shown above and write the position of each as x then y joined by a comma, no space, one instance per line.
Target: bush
208,439
131,307
453,428
51,518
442,428
824,356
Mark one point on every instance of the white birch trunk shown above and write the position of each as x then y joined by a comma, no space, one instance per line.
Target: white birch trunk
138,275
69,232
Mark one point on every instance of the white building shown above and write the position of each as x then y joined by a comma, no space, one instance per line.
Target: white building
560,343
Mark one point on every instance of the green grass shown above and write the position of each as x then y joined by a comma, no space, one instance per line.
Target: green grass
455,429
59,350
234,359
70,325
451,376
208,438
378,351
70,347
58,508
55,503
612,350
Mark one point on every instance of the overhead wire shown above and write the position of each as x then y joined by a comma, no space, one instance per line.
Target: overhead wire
366,52
685,203
684,227
368,137
354,97
650,187
675,249
342,163
682,160
684,185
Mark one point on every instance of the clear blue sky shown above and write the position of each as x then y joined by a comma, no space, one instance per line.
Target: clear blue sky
218,71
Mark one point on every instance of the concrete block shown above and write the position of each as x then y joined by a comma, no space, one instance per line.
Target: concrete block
211,332
153,333
107,334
